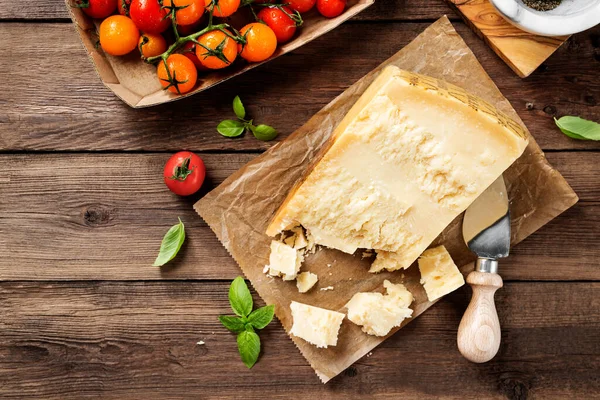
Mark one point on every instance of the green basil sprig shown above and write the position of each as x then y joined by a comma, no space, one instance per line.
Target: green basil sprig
171,244
246,321
578,128
234,128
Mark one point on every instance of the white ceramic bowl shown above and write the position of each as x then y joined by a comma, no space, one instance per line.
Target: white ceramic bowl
570,17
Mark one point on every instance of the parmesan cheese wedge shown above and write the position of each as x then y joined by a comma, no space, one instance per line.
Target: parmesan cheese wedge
409,157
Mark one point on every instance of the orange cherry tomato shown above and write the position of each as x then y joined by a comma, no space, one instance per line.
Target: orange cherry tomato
151,45
118,35
215,48
261,42
189,14
222,8
189,50
181,76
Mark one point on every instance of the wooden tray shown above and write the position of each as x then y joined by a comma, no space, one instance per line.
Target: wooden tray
522,51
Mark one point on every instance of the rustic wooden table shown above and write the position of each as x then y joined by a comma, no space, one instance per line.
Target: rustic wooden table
83,208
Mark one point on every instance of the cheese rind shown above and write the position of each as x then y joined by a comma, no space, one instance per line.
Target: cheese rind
316,325
284,261
439,274
410,156
305,281
378,314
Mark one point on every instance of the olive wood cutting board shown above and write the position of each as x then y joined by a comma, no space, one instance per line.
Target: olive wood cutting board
523,52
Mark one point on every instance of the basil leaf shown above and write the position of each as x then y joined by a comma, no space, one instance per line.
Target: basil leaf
264,132
231,128
240,297
578,128
261,317
234,324
170,245
238,108
249,347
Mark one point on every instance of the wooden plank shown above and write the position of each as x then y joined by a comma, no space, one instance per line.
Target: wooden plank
381,10
522,51
138,340
67,108
111,210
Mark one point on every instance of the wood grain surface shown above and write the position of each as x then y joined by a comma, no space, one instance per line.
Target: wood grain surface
69,108
523,52
83,209
107,206
382,10
138,340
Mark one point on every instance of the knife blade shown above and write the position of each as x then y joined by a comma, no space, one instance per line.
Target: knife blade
486,231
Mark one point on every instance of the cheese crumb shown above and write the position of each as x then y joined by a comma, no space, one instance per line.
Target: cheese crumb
327,288
265,269
317,326
305,281
284,261
378,313
439,274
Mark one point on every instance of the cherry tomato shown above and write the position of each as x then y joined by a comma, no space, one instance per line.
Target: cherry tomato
208,51
151,45
301,6
184,173
98,8
331,8
222,8
189,50
148,16
185,30
182,71
124,7
261,42
190,13
118,35
279,20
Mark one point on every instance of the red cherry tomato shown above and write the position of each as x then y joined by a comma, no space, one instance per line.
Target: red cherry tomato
184,173
280,21
301,6
331,8
98,8
148,16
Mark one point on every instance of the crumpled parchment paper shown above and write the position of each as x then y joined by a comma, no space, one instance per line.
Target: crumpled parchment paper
239,210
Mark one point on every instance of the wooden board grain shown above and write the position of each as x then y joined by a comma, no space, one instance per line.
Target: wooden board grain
67,108
523,52
382,10
138,340
80,216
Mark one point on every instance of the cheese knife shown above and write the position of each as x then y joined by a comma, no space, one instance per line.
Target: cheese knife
486,231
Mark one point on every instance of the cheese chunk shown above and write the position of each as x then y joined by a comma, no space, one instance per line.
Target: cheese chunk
378,313
408,158
389,260
439,274
284,261
316,325
305,281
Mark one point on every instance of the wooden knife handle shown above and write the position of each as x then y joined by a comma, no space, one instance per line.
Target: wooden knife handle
479,330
